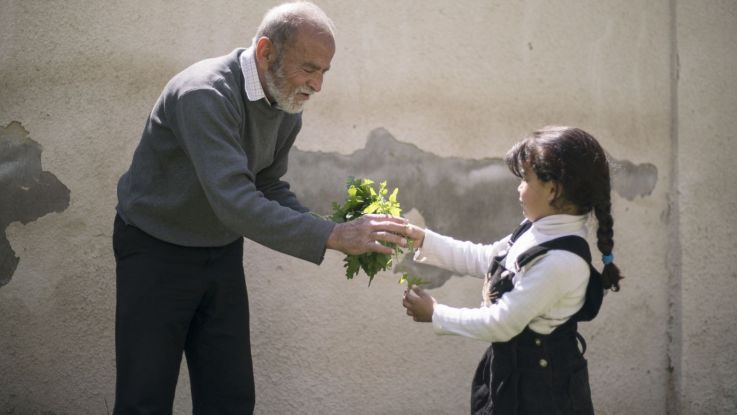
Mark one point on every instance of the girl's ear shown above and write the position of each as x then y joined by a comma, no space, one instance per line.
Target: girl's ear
551,188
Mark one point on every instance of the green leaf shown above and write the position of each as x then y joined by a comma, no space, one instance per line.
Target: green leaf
410,281
371,208
352,265
363,198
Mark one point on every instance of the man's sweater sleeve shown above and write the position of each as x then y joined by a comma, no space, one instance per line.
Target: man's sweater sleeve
207,124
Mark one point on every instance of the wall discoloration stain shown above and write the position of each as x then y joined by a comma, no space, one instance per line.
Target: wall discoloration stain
26,191
470,199
630,180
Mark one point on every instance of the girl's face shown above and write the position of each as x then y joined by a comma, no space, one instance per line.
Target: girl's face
536,196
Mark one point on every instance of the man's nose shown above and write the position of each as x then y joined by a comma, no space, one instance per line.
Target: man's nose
315,82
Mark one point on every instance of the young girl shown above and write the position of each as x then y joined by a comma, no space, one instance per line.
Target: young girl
538,282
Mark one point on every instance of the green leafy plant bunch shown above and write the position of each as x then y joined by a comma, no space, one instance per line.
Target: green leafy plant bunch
362,199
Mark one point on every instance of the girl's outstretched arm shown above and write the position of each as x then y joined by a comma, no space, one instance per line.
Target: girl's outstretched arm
419,304
415,233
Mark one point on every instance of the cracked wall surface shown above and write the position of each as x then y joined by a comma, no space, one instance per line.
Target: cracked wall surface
428,95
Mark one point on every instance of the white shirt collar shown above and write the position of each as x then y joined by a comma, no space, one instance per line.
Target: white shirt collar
560,223
254,90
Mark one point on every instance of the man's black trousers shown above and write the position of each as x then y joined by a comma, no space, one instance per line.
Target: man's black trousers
172,300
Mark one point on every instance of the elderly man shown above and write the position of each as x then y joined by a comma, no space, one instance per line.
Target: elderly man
207,172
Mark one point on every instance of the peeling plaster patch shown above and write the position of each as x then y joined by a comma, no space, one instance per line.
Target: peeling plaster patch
470,199
630,180
26,191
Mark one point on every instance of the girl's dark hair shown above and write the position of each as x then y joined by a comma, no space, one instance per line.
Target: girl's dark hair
576,162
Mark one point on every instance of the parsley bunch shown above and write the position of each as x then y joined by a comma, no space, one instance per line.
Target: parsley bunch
363,198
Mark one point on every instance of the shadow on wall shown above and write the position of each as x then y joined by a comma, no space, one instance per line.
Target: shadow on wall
469,199
26,191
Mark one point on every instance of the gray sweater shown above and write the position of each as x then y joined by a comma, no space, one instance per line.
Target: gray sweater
208,168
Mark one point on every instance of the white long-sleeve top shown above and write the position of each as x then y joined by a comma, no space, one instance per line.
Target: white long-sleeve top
547,291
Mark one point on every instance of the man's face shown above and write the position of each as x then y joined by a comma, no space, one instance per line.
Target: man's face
298,70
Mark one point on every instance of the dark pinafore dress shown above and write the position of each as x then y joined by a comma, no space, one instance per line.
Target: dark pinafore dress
534,373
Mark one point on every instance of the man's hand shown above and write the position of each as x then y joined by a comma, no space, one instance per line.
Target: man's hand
362,235
419,304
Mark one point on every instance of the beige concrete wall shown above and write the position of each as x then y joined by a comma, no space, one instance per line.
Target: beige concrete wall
704,284
455,79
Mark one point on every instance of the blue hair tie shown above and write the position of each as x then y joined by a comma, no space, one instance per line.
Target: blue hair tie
607,259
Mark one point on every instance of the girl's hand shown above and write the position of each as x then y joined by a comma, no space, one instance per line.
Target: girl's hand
415,233
419,304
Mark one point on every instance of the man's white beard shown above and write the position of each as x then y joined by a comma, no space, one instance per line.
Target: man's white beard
285,101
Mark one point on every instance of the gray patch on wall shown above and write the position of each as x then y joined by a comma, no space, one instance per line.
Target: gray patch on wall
469,199
26,191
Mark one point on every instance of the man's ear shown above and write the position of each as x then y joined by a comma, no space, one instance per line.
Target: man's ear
265,52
